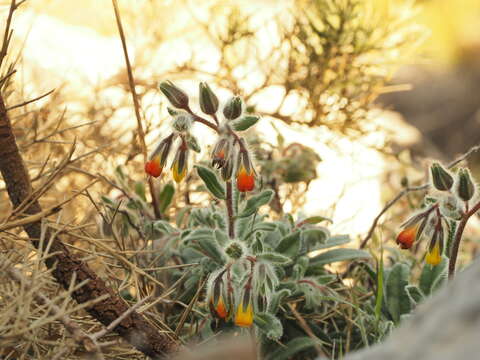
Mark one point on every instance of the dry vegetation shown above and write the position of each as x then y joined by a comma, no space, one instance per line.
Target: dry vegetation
76,152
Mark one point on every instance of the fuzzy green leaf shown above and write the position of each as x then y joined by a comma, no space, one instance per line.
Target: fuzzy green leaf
414,294
245,123
274,258
433,276
397,300
255,202
269,325
211,181
290,245
165,197
314,220
336,255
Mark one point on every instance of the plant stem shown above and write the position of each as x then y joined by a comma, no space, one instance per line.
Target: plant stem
136,105
229,201
458,239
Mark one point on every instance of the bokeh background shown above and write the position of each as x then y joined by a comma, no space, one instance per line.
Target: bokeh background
418,95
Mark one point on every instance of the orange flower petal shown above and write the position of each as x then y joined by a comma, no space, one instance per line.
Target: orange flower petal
407,237
153,167
220,309
244,317
245,181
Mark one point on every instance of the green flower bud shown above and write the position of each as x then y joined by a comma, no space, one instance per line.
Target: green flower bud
182,122
465,186
192,143
174,94
234,250
442,180
233,108
208,100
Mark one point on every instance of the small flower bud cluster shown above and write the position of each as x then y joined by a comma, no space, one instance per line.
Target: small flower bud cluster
230,154
442,210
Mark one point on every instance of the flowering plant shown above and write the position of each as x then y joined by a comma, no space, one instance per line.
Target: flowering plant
443,216
230,265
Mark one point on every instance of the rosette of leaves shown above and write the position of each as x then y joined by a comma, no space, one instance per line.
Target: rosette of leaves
285,261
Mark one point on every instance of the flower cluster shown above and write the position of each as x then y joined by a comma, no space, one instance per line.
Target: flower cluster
230,154
441,212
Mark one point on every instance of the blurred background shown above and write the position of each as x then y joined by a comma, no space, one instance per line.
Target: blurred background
351,109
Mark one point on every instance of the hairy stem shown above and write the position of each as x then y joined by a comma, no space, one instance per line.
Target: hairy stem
458,238
229,201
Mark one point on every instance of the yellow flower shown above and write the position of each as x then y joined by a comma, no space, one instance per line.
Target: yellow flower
244,316
433,256
178,175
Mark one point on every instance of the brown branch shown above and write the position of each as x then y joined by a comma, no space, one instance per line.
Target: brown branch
405,191
87,341
136,105
135,328
458,238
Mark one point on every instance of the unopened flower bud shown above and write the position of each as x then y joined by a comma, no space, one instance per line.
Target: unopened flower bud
174,94
208,100
233,108
234,250
465,186
442,180
182,122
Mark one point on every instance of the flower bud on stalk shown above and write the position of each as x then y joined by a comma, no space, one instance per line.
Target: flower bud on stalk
158,159
465,186
220,153
208,100
442,180
174,94
233,108
179,165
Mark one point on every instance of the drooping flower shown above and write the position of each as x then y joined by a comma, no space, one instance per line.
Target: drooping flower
220,153
153,167
244,315
245,173
221,309
158,159
413,229
406,237
434,255
179,165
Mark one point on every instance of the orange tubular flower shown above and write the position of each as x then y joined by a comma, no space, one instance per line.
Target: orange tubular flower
153,167
221,309
245,180
407,237
244,315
